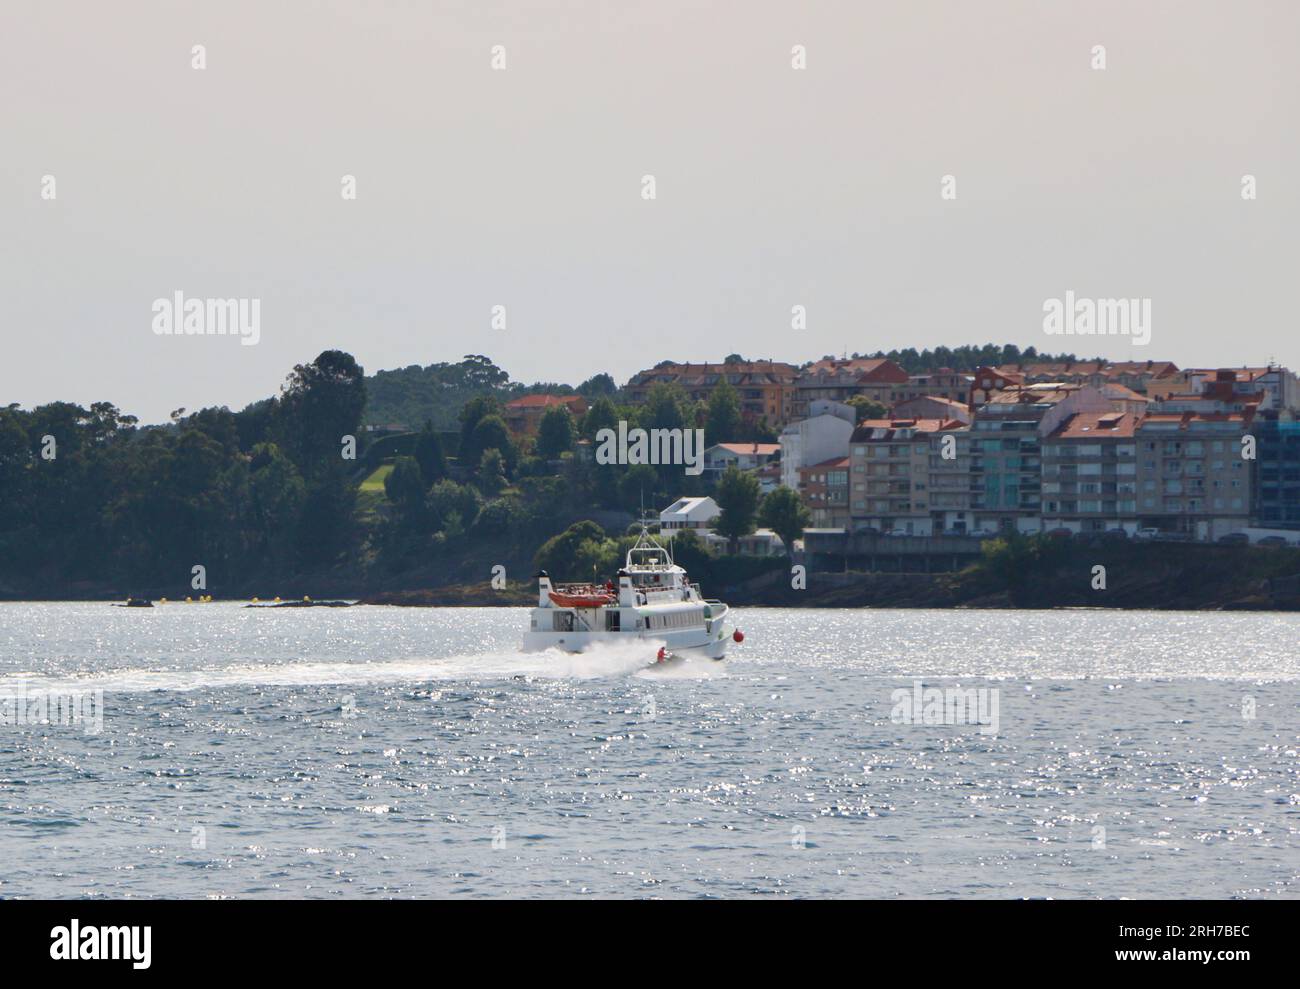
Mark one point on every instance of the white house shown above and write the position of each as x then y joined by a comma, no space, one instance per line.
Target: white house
745,456
696,514
689,513
824,435
760,542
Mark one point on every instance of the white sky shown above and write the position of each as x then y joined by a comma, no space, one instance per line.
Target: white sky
775,187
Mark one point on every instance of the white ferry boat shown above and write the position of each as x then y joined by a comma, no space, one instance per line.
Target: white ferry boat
652,600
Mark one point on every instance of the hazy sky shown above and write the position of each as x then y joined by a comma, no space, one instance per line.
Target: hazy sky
522,187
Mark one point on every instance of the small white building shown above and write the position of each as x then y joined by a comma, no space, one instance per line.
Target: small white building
696,514
760,542
689,513
745,456
823,436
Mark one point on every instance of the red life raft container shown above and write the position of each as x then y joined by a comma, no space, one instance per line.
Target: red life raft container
584,598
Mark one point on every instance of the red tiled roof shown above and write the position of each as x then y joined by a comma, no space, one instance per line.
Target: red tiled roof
1093,425
826,464
542,401
761,449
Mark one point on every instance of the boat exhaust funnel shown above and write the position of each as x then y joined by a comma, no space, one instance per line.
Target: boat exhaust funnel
543,589
626,595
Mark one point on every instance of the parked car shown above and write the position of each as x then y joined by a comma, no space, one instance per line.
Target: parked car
1235,539
1061,533
1272,541
1147,533
1106,534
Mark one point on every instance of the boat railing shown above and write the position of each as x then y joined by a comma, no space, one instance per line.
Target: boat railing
713,614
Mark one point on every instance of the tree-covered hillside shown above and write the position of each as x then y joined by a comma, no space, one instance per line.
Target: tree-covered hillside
436,393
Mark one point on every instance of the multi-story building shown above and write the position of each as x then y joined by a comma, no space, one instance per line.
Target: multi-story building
1005,454
988,381
523,415
823,435
889,474
1124,399
932,407
1276,481
766,388
1192,477
1089,481
840,380
1278,385
1140,376
944,383
949,486
824,488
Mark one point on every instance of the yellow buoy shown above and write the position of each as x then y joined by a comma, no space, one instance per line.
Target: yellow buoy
254,600
162,600
277,600
306,598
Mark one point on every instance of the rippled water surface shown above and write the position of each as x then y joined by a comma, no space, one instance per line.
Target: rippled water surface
416,752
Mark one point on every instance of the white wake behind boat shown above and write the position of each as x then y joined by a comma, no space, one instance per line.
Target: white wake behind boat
652,600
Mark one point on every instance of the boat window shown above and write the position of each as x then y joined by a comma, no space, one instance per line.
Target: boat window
611,620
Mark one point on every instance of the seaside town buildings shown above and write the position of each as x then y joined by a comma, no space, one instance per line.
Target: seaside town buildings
822,436
1140,447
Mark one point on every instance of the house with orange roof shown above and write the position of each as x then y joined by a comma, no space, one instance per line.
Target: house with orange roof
766,388
743,456
837,380
932,407
523,415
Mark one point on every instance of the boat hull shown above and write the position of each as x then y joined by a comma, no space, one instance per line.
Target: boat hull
688,642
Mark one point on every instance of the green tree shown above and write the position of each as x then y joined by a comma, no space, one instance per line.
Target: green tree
737,495
491,476
472,413
556,433
603,414
489,433
637,487
276,494
598,384
666,407
867,408
452,504
428,454
785,514
723,422
405,488
320,403
559,555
